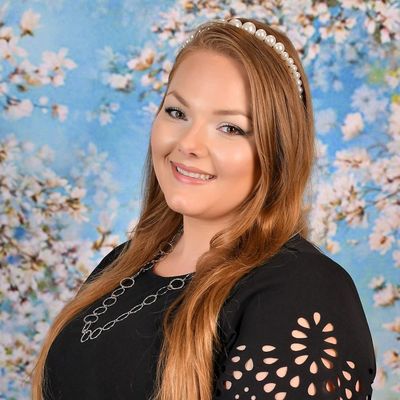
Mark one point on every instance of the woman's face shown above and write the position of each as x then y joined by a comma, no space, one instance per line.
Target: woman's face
192,130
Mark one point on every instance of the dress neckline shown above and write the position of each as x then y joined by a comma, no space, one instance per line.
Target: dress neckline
166,278
162,277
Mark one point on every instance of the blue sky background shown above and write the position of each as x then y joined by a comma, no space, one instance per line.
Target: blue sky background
85,28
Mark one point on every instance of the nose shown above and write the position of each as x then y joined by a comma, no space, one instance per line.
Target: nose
193,139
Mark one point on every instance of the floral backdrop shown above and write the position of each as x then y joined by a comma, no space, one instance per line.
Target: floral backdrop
80,82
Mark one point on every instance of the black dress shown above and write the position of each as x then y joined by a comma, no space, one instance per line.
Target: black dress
293,328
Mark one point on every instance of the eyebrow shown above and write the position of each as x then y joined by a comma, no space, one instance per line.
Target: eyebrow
216,112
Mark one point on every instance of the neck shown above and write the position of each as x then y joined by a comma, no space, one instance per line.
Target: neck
195,239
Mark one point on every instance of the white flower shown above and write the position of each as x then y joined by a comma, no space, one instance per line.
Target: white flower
370,24
20,109
7,33
353,125
385,172
377,282
389,14
105,118
43,100
3,88
354,158
10,48
106,220
78,192
167,66
58,79
394,120
56,61
392,215
52,180
325,120
147,80
391,358
332,246
143,62
29,22
357,4
366,100
393,326
59,111
396,258
380,241
118,81
394,145
45,153
41,330
386,296
380,379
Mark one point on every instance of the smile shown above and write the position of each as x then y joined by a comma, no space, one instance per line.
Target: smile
193,174
191,177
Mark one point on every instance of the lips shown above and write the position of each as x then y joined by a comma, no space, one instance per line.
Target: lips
191,169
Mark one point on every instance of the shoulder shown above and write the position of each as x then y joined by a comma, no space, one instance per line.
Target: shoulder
300,281
297,316
301,289
300,265
107,260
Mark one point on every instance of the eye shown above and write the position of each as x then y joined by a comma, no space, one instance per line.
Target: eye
236,129
169,110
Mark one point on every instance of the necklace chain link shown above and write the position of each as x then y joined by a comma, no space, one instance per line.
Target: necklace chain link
127,283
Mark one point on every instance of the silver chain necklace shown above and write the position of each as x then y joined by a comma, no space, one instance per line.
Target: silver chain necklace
126,283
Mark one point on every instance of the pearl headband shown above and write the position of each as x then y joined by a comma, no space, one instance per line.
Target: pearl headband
271,41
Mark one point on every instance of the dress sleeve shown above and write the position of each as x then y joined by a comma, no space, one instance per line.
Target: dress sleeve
302,334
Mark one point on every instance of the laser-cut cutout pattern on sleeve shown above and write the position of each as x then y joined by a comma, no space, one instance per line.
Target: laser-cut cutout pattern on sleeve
309,362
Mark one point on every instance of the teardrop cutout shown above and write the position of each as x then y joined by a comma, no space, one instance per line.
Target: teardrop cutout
303,322
261,375
311,389
249,364
295,381
281,372
269,387
301,359
317,317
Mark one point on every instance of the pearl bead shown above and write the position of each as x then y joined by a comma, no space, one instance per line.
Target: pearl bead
284,55
270,40
261,34
279,47
249,27
236,22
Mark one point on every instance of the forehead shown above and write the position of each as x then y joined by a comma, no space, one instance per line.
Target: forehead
206,73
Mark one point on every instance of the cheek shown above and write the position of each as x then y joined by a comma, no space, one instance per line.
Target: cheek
237,163
158,138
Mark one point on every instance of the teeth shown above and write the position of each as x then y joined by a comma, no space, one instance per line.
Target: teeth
194,175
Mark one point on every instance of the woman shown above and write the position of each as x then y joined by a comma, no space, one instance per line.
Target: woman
238,304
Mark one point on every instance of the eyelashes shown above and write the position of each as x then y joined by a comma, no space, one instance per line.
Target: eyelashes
237,130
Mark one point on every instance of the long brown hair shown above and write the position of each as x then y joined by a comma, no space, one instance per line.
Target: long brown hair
274,211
